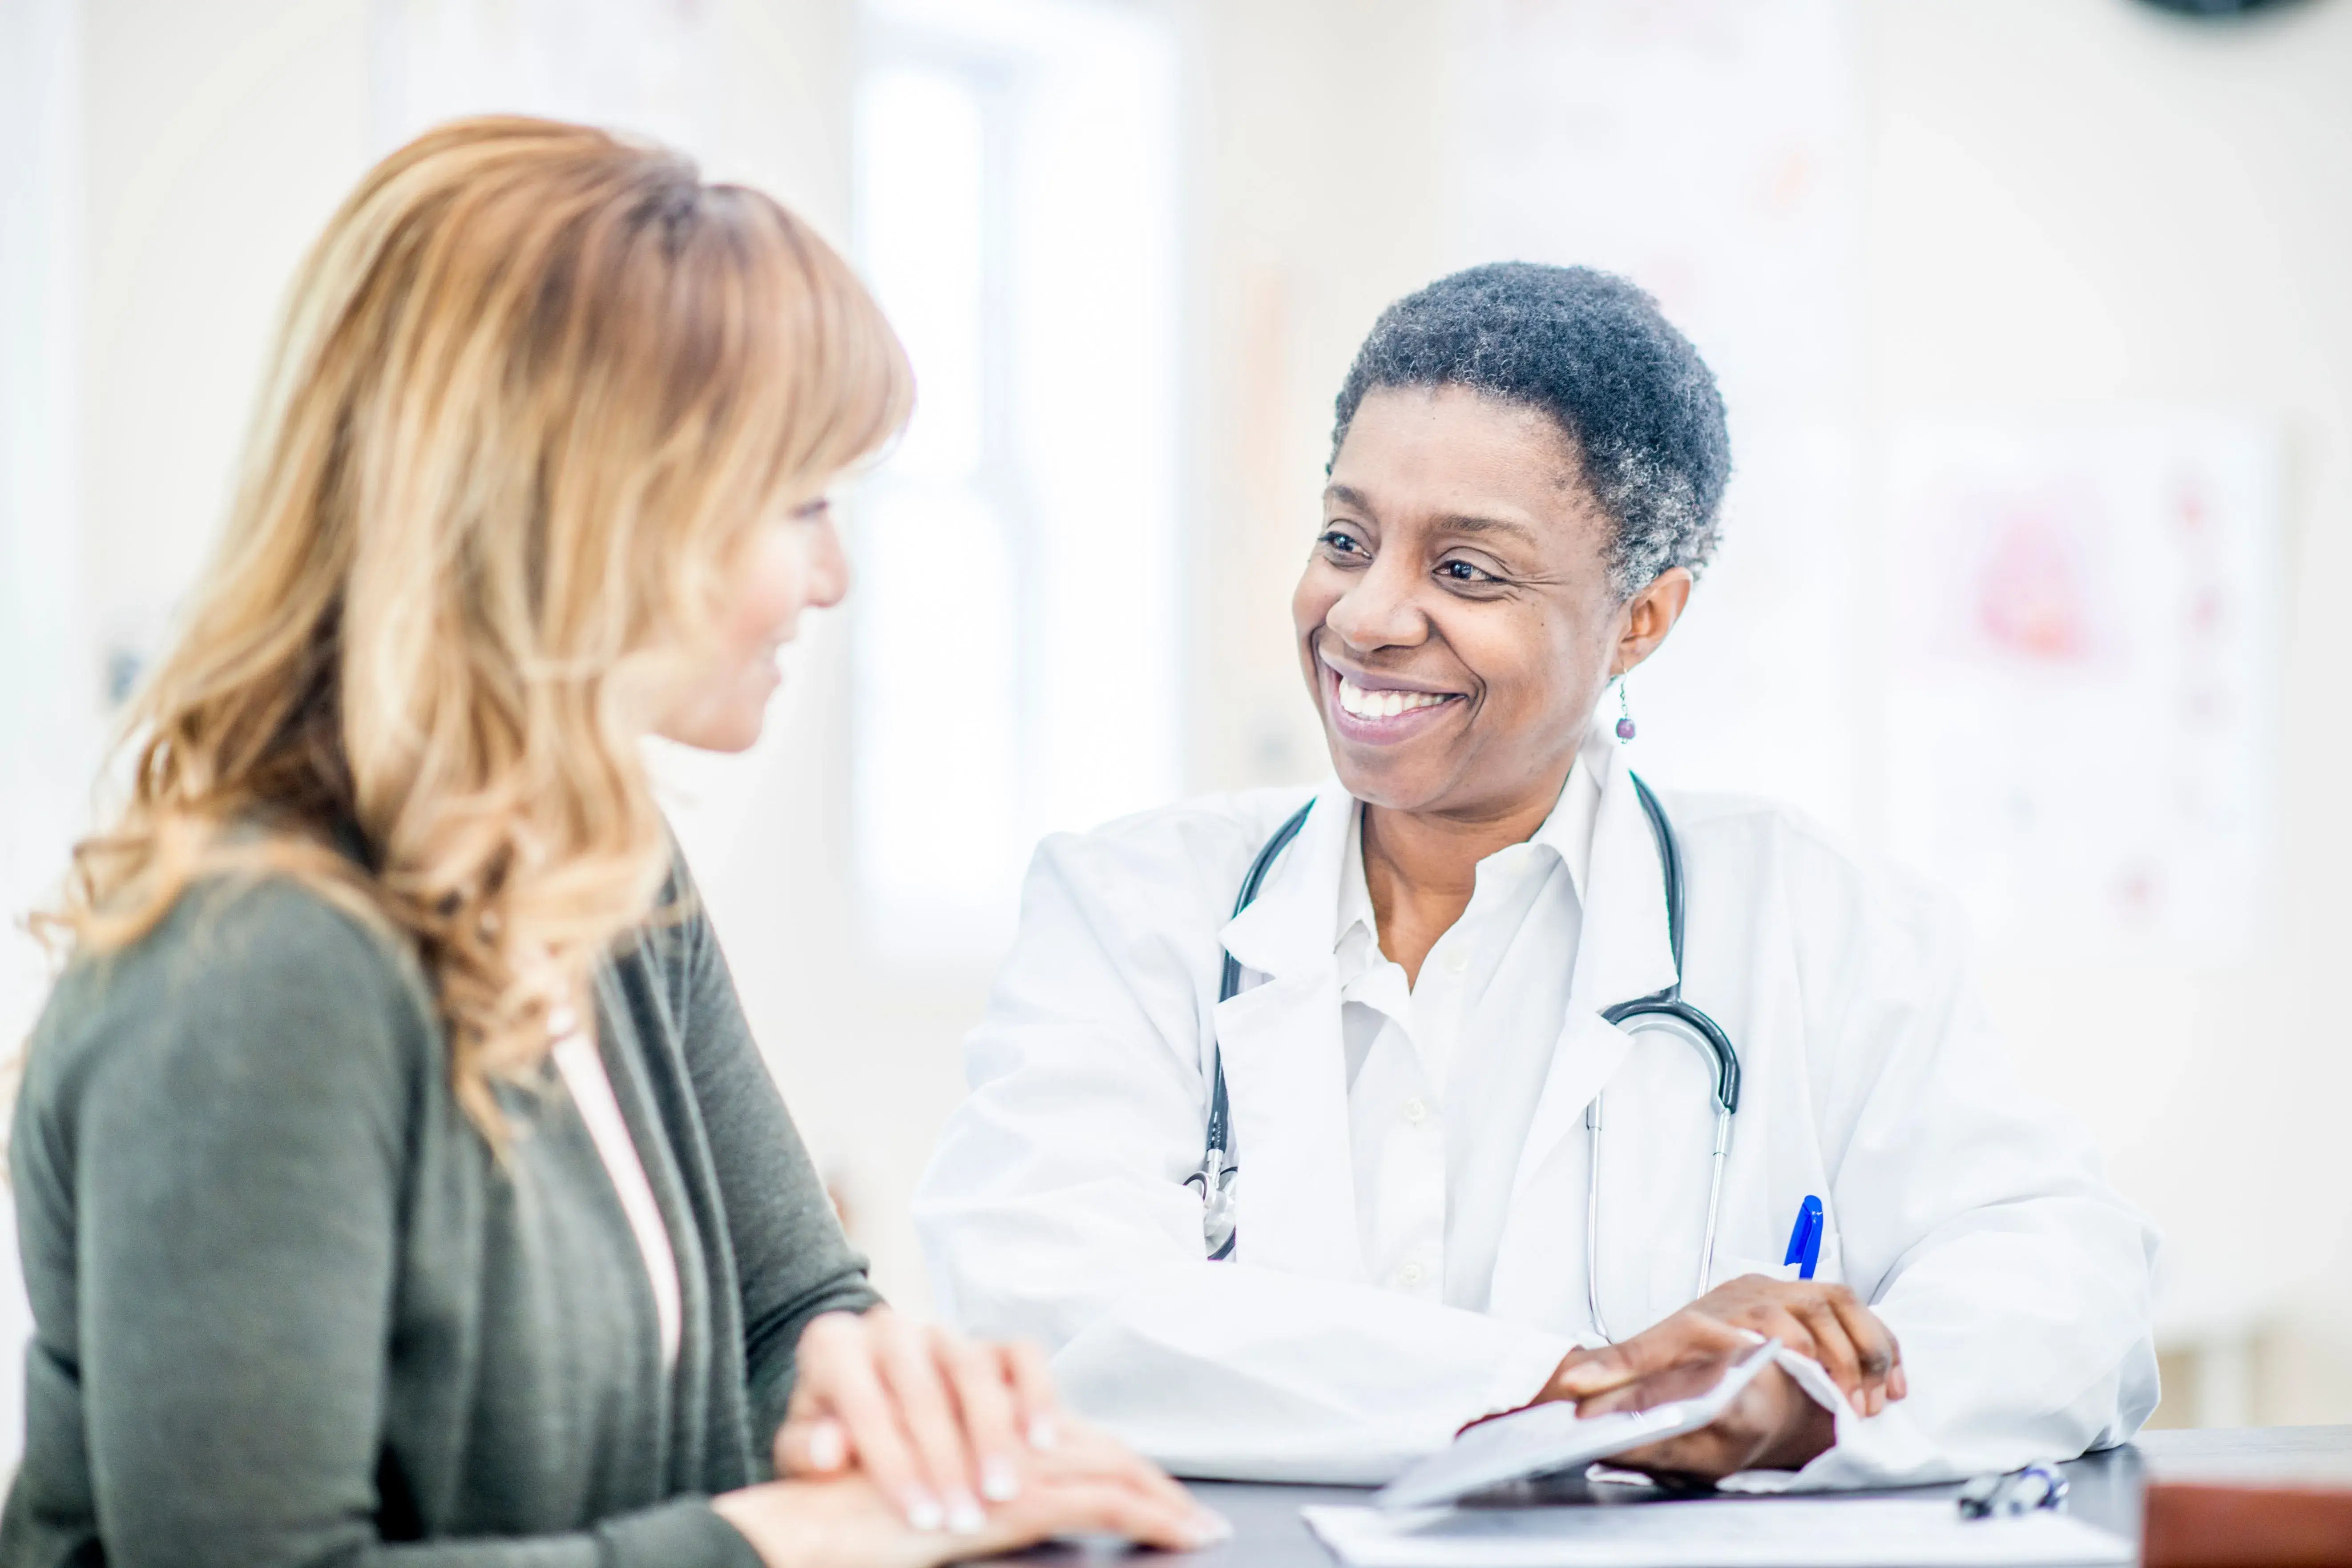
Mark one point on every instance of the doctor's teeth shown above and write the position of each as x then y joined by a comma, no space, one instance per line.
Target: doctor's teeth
1366,704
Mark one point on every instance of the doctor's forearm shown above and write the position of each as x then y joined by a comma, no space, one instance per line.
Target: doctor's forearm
1249,1373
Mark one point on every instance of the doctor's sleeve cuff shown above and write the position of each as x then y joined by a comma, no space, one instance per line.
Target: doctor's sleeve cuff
1522,1372
1883,1450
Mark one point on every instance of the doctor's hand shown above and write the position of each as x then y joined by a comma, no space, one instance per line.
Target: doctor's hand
1772,1425
1813,1317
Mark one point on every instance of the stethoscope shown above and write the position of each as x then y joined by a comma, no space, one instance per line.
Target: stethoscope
1664,1011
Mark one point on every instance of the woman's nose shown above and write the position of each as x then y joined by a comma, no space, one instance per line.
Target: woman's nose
1378,609
828,567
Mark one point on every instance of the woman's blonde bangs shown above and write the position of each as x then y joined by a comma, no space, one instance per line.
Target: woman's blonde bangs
850,387
533,385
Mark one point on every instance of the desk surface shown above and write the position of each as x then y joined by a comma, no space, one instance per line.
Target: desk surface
2104,1490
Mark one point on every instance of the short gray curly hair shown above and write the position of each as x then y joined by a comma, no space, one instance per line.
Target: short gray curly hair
1592,351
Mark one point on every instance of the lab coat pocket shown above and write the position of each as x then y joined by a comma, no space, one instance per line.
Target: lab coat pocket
1728,1268
1829,1267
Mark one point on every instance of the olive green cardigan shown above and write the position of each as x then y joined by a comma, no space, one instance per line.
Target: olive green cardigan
289,1307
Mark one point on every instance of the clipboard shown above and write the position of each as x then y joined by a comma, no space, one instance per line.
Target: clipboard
1544,1439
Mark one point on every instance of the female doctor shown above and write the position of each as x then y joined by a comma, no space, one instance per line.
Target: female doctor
1431,1220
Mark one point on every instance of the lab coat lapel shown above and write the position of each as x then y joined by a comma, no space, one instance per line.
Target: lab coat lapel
1286,1068
1623,950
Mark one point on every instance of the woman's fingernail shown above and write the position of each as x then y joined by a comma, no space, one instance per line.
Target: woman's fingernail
964,1517
1860,1399
923,1512
1043,1433
1209,1528
999,1481
825,1449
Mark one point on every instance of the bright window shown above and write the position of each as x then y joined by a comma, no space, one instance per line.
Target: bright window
1017,602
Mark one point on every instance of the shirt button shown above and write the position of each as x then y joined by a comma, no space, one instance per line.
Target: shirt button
1410,1275
1416,1111
1457,962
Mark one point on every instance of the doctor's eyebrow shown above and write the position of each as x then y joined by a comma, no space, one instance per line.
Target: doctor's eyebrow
1488,525
1350,497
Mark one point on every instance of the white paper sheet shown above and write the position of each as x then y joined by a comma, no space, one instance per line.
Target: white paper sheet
1545,1440
1856,1533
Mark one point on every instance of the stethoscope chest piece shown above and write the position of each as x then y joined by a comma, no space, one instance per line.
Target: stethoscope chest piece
1214,1182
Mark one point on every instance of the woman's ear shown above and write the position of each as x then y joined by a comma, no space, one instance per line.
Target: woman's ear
1650,614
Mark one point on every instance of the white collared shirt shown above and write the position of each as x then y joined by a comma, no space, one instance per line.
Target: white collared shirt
1443,1074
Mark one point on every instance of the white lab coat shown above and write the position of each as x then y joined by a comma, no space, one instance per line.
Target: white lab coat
1967,1213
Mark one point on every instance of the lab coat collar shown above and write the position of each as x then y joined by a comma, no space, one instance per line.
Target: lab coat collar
1286,1064
1624,951
1290,927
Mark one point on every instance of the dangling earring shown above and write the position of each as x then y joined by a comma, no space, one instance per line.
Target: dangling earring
1624,713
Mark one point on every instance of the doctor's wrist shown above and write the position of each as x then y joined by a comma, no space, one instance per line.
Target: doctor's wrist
1804,1428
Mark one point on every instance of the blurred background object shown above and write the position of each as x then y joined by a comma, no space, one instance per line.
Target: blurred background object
2034,318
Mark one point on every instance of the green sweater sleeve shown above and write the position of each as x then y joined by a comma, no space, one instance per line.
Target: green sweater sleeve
791,1260
236,1251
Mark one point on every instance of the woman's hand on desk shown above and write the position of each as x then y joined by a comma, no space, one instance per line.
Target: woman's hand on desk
1775,1424
958,1432
936,1420
1086,1484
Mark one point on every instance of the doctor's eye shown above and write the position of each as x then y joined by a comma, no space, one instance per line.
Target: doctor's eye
1464,572
1342,543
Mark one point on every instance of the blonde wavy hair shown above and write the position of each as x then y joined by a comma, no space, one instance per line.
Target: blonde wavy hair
534,385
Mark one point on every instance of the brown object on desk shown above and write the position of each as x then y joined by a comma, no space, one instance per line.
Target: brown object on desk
2193,1525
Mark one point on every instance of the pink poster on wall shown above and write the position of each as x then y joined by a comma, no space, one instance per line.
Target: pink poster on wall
2079,714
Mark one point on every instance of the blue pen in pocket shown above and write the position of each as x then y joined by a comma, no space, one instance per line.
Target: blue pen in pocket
1805,1240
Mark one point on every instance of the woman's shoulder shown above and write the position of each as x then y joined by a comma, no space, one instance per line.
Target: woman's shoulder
243,975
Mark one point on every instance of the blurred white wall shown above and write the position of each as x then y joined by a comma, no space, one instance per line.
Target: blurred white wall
47,710
2067,204
47,698
2078,204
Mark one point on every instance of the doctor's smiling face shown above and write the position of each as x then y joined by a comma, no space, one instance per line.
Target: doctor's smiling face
1459,615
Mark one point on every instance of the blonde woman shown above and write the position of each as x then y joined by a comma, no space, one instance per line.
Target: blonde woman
397,1181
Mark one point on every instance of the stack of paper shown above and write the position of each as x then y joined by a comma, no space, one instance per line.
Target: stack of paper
1854,1532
